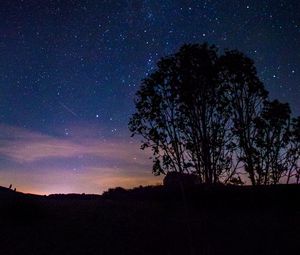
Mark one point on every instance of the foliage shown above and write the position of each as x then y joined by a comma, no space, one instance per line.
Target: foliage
182,114
246,94
271,141
293,152
208,114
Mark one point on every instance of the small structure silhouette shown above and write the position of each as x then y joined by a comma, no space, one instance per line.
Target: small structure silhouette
176,179
10,186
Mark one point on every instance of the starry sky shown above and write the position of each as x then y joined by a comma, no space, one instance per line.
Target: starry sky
69,70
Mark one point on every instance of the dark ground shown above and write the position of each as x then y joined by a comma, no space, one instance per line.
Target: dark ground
153,220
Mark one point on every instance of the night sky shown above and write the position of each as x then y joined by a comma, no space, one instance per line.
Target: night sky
69,71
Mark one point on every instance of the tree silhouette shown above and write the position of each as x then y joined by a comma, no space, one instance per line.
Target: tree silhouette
183,115
246,94
271,140
293,153
208,114
205,112
157,118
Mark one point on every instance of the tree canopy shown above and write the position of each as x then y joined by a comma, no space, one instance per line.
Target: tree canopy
206,113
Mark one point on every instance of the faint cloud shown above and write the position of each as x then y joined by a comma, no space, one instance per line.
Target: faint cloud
45,164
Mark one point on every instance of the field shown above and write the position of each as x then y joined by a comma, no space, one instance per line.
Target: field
153,220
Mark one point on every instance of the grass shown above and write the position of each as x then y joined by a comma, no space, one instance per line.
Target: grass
153,220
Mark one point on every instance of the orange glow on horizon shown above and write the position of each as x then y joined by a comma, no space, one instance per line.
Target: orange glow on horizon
42,164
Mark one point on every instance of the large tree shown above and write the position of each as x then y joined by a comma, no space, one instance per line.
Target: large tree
246,94
271,142
205,113
183,115
157,118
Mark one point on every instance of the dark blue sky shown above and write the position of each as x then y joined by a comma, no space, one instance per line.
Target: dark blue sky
69,71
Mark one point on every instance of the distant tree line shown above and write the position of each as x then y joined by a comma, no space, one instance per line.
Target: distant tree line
209,114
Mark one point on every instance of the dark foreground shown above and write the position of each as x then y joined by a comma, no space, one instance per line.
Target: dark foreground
153,220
